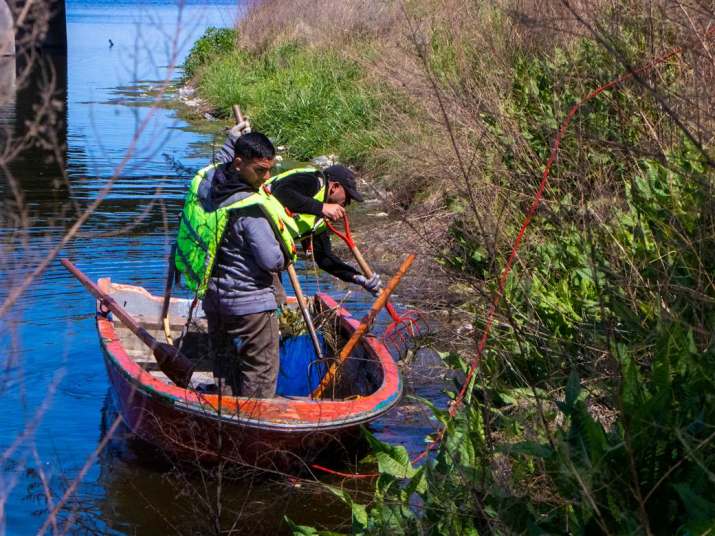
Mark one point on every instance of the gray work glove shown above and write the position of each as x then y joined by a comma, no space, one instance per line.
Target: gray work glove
225,154
236,131
372,285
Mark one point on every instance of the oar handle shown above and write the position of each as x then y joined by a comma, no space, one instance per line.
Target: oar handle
109,303
304,310
364,326
237,113
173,363
238,116
347,237
362,263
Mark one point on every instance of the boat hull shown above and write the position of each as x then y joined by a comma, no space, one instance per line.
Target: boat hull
274,434
190,437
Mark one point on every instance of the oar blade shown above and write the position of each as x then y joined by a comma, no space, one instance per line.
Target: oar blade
177,367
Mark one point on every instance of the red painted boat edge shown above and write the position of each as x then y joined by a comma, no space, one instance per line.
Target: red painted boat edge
277,414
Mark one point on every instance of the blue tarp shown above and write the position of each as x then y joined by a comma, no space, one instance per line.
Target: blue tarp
300,373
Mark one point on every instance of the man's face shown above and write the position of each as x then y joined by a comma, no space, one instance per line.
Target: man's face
255,171
336,194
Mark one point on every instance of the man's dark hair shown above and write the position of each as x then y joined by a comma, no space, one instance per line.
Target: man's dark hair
254,145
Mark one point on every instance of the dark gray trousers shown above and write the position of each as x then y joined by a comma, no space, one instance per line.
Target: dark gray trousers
245,352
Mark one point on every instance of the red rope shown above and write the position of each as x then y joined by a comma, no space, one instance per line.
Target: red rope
532,211
474,363
344,475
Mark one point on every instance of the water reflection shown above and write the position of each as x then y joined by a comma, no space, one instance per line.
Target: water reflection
39,128
7,90
143,492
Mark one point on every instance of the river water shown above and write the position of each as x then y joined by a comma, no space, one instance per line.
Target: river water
54,388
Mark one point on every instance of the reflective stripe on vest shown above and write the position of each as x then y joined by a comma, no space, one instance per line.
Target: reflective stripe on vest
305,224
200,232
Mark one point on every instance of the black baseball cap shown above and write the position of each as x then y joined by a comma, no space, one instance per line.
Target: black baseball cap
346,178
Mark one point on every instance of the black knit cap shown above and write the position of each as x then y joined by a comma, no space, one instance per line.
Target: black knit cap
346,178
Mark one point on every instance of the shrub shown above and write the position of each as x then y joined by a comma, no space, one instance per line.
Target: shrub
215,42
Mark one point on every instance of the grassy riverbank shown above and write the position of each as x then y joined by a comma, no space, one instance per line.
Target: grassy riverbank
313,102
593,402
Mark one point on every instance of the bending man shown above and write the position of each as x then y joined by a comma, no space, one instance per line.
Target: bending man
311,195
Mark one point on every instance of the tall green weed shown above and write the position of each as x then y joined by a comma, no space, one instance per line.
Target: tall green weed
311,100
214,43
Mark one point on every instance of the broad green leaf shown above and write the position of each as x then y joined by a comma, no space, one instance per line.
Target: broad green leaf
395,463
360,517
701,510
418,483
573,388
392,460
529,448
303,530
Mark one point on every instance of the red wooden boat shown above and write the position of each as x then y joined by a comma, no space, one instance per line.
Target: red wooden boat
198,423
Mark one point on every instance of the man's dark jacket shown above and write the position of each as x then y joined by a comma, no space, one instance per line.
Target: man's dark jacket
296,192
241,282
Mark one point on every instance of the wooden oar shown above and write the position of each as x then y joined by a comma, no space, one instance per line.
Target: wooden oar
304,310
238,116
168,286
364,326
173,363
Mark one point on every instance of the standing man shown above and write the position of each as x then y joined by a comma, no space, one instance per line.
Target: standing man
311,196
232,239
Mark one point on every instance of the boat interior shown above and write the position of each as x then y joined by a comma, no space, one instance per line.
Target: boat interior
300,370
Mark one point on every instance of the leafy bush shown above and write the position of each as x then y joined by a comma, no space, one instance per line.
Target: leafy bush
215,42
649,470
611,312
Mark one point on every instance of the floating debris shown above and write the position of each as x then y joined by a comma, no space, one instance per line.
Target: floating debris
324,160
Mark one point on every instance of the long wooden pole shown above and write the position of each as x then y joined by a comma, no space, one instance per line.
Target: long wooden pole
237,115
173,363
292,275
364,326
304,310
168,286
362,263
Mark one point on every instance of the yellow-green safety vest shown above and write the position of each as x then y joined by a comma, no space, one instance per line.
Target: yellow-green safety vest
201,231
304,224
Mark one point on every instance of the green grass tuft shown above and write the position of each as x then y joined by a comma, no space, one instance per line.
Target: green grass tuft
311,100
215,42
